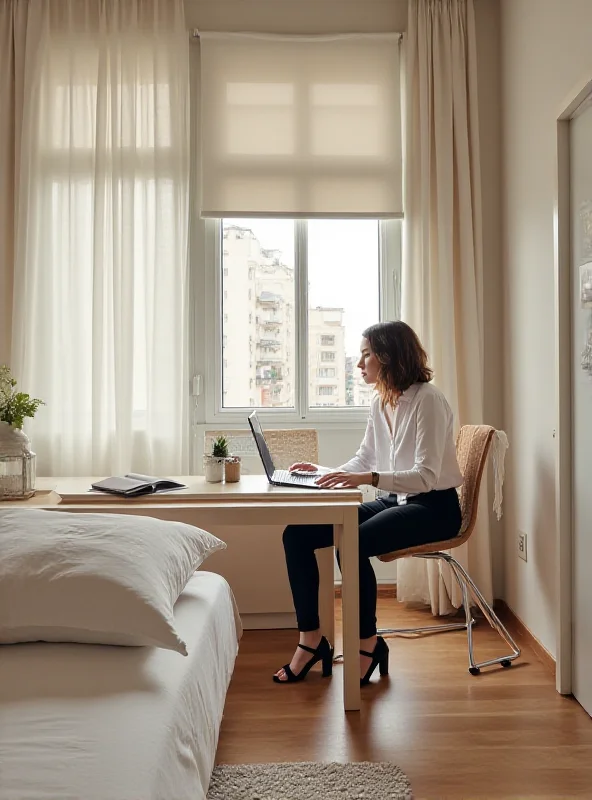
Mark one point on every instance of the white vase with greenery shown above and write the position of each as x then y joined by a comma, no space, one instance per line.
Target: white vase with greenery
214,462
17,460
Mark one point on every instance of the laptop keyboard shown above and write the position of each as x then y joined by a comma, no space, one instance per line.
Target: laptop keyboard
284,476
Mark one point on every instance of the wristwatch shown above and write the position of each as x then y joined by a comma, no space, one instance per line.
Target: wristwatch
375,478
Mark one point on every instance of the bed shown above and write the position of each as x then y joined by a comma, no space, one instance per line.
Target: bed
94,722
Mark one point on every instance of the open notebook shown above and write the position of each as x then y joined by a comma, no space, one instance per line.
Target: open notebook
133,484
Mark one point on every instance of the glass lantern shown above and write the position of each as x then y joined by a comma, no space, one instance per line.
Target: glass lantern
17,464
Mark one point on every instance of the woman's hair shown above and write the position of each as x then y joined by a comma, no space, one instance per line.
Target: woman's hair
402,359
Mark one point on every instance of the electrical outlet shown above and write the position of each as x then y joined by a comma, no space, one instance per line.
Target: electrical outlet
522,546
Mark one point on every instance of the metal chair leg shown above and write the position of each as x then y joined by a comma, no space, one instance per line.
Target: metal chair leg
473,668
447,626
493,619
468,588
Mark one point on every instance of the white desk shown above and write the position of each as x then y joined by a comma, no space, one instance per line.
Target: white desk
251,501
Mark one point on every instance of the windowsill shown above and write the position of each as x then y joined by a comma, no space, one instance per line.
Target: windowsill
337,419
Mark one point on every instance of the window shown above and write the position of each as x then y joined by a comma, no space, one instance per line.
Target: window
296,296
321,137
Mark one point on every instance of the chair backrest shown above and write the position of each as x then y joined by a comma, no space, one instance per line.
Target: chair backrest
286,446
472,448
290,446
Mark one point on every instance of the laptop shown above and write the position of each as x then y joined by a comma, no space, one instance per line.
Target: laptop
278,477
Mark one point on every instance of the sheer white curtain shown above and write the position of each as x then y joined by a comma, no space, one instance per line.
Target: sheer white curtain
100,299
442,262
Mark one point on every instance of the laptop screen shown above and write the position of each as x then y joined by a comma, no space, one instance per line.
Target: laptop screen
261,444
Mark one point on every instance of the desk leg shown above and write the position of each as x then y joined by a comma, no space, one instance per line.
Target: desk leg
347,537
326,563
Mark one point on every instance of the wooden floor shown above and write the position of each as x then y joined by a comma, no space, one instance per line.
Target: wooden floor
506,733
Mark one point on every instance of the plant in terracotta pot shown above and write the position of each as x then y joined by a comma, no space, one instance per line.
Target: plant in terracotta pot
232,469
214,463
17,460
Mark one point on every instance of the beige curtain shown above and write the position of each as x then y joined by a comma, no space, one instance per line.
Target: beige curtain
13,29
442,272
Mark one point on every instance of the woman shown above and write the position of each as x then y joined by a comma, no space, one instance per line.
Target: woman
408,449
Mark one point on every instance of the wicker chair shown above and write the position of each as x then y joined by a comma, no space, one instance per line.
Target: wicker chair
472,448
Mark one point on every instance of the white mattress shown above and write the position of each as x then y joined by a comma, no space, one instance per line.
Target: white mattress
92,722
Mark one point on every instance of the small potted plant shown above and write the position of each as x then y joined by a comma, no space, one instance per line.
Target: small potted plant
214,463
17,460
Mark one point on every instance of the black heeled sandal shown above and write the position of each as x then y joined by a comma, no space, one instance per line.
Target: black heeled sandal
380,658
324,653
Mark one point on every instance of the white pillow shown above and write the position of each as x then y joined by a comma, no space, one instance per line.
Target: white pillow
95,578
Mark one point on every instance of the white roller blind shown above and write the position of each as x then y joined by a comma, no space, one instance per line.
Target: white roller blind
300,126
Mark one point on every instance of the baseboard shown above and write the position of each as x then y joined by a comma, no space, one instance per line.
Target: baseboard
523,635
385,590
267,622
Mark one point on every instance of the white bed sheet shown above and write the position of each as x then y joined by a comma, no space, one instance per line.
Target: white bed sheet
93,722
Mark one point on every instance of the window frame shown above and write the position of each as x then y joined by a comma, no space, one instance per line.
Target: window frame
389,254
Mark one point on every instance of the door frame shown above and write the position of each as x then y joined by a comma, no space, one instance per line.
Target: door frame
563,387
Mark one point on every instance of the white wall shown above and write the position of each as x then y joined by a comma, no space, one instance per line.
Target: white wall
546,52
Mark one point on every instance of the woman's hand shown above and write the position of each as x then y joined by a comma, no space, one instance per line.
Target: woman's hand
304,466
344,480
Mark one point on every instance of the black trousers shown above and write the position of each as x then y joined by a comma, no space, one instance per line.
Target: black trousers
385,527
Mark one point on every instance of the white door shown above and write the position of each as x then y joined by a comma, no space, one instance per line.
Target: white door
581,282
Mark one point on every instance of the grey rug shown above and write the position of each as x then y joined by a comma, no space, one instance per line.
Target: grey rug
364,780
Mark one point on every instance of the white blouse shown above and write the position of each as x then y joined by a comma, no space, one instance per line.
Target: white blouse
420,454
